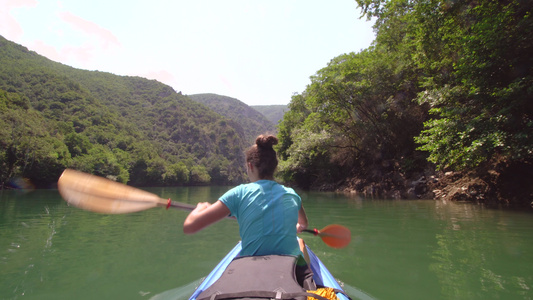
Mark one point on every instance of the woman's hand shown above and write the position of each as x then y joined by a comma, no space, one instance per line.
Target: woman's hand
200,207
300,227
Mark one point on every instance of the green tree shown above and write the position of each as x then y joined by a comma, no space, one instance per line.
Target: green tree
127,128
347,119
177,174
78,144
28,149
484,109
475,62
103,162
199,175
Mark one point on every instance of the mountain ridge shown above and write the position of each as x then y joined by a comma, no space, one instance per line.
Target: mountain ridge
254,122
135,130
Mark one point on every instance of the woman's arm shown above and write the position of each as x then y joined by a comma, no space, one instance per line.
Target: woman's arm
302,220
204,215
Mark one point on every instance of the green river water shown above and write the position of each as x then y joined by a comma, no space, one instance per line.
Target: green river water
421,249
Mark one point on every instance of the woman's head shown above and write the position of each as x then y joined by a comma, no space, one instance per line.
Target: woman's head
262,156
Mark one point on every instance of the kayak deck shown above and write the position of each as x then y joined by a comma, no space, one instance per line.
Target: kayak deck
321,275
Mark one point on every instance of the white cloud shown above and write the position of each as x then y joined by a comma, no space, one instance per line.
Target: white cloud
260,52
9,26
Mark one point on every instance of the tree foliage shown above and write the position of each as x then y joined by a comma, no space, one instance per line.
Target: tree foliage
131,129
273,113
484,108
447,80
351,113
250,122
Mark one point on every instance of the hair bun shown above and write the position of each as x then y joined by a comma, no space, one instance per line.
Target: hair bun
266,141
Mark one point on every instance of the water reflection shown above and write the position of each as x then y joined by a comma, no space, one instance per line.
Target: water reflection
183,292
480,252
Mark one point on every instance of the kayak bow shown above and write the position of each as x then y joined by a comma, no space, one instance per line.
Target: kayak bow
322,276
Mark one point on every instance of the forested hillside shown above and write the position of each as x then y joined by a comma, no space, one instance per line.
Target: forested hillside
274,113
441,104
135,130
252,122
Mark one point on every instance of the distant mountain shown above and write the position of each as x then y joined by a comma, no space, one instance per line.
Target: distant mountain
253,122
274,113
135,130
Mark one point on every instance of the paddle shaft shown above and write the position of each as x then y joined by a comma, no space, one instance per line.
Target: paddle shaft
182,206
102,195
319,232
313,231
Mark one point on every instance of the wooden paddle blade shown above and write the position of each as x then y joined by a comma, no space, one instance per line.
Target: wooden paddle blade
102,195
335,236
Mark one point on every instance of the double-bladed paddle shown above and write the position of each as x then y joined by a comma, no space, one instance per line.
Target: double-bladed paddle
101,195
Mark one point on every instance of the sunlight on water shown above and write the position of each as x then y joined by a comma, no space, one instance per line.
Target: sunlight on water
178,293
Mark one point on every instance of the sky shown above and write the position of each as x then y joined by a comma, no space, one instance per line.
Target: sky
260,52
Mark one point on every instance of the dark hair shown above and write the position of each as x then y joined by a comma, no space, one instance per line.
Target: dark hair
263,156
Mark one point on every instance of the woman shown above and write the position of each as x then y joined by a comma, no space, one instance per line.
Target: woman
269,214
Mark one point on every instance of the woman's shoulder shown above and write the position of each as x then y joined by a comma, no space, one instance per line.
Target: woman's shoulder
243,188
263,184
287,190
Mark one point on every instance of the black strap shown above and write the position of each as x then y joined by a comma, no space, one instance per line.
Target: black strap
338,291
262,294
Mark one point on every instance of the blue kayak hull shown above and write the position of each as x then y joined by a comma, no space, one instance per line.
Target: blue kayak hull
321,274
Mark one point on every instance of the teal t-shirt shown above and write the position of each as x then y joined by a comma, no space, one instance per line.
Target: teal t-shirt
267,213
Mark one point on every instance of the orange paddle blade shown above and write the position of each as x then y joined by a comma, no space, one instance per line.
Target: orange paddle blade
335,236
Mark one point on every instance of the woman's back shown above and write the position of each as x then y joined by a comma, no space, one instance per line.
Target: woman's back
267,213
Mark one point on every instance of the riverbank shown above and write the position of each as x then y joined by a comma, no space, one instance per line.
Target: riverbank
500,184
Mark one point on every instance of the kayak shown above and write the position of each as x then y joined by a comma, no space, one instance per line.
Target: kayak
321,274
